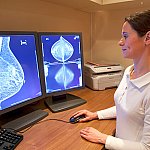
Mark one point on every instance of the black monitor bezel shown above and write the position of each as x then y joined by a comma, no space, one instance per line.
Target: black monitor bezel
20,105
82,62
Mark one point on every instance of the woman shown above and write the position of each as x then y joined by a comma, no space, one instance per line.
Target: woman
132,97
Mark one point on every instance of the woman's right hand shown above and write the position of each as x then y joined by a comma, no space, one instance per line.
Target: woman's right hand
88,115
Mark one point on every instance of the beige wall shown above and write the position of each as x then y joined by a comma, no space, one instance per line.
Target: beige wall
38,15
106,32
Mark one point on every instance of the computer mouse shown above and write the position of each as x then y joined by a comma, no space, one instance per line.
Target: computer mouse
76,119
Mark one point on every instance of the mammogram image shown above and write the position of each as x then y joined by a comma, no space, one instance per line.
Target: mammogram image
11,72
62,63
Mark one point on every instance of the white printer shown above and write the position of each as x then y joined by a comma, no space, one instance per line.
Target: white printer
102,76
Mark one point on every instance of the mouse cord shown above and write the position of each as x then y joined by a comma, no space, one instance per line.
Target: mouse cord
53,119
42,122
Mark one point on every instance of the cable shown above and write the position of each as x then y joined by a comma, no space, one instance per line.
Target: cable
42,122
54,119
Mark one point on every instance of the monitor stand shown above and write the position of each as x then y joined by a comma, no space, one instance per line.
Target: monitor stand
26,120
63,102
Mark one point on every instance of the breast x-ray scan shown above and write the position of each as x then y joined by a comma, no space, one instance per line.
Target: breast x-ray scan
19,78
62,62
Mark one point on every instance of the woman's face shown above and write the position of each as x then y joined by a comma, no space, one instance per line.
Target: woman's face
132,45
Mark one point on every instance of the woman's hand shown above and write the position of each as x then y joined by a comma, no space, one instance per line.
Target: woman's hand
88,115
93,135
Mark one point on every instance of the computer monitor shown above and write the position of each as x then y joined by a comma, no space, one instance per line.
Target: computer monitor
20,77
63,68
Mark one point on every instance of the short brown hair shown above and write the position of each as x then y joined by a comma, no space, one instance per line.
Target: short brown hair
140,22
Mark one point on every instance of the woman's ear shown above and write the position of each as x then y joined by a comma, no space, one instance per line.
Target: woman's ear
147,38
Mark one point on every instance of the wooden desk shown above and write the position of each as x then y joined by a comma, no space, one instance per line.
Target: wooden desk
56,135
